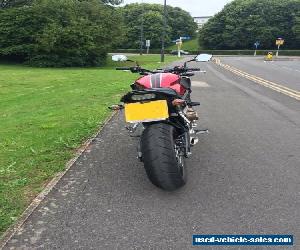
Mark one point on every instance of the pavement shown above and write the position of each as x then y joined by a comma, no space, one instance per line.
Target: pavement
243,176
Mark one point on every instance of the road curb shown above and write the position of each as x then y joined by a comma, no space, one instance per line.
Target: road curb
11,231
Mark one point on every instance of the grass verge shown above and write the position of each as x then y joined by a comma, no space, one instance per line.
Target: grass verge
45,115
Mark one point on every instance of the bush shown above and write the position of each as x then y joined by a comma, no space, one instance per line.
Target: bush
59,33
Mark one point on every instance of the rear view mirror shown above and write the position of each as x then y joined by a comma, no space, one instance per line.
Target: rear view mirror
203,58
119,58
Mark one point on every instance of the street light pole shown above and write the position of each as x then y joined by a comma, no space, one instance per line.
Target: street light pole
142,31
162,59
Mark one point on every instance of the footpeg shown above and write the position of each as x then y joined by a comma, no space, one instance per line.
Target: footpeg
116,107
193,104
201,131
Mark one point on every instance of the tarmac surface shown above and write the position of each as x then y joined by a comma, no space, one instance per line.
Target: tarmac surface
283,70
243,177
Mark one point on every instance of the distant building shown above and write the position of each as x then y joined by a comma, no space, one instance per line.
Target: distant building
201,20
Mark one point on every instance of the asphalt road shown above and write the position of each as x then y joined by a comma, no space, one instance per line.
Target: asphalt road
285,71
244,178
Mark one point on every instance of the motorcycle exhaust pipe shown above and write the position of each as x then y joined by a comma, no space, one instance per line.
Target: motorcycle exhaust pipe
194,141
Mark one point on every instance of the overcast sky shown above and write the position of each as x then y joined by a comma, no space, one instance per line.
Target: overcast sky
195,7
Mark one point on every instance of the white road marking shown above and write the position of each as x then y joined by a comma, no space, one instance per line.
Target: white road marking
200,84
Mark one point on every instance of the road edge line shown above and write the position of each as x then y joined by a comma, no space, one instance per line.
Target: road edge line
11,231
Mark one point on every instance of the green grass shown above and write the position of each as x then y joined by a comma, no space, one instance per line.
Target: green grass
191,45
45,115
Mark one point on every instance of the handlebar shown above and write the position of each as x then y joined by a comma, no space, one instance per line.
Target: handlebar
176,70
136,69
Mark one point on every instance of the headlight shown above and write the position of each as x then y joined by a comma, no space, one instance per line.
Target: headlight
143,97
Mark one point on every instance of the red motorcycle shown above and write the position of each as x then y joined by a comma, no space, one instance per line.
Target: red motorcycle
160,103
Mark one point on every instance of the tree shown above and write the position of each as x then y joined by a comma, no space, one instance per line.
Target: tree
179,23
59,32
13,3
242,22
17,3
112,2
296,27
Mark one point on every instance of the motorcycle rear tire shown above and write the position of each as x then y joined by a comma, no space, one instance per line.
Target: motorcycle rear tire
164,167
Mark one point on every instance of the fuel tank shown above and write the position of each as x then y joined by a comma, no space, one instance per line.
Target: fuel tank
162,80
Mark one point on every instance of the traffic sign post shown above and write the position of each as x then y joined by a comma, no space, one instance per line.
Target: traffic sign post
148,43
179,44
279,42
256,44
162,54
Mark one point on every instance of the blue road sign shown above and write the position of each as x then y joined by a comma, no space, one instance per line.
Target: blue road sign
256,44
185,37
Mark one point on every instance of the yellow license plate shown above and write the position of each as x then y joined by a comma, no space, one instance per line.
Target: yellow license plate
146,112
